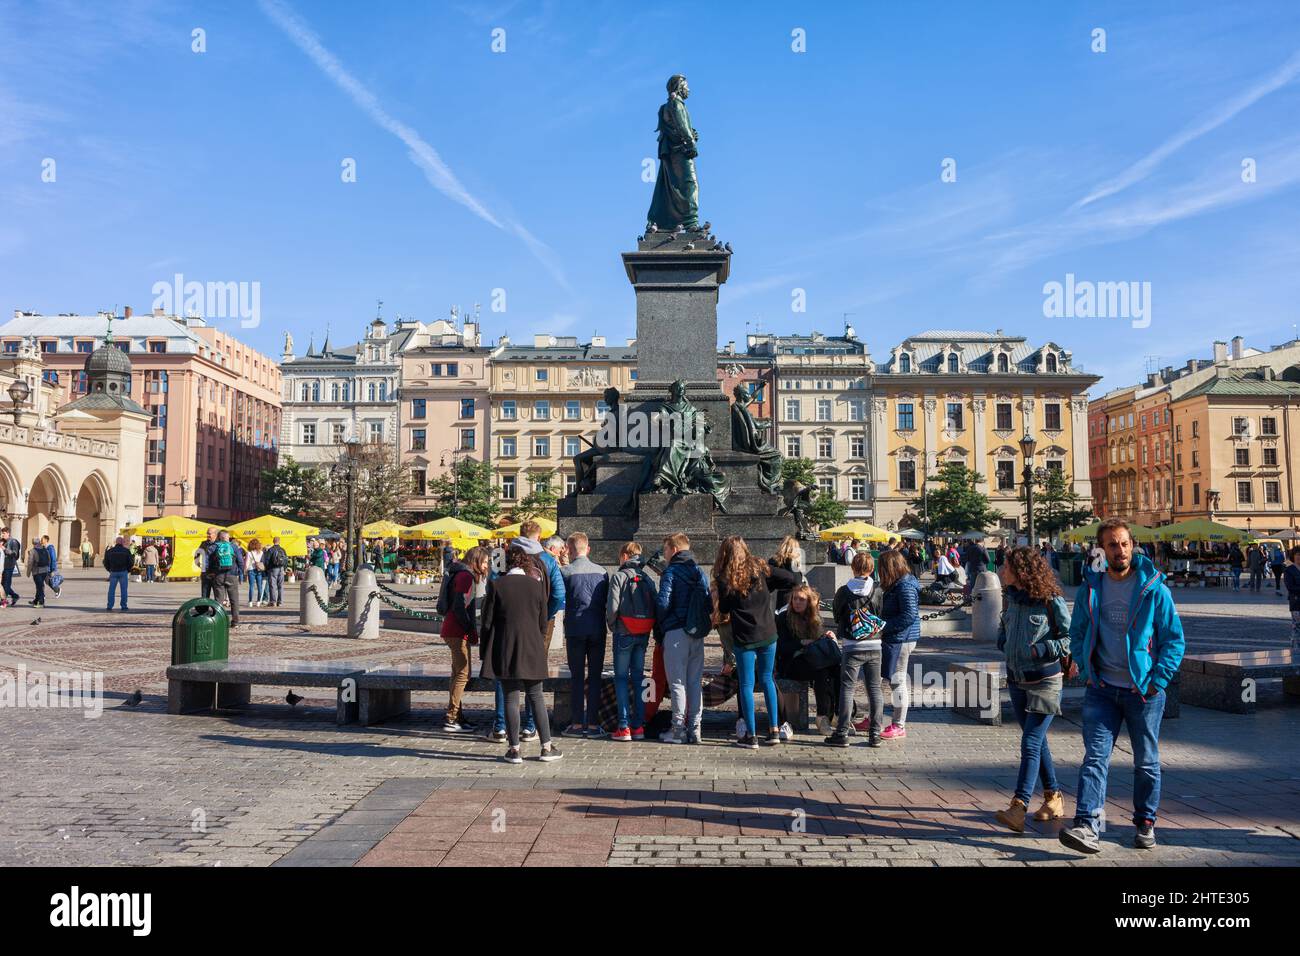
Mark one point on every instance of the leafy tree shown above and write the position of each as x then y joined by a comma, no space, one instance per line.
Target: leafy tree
540,501
1056,506
954,501
382,487
296,491
470,484
826,510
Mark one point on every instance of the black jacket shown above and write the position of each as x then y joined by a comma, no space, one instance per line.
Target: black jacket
782,592
752,621
119,558
513,629
844,603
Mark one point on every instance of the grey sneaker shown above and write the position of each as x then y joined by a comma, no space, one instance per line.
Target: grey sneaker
550,753
1145,838
595,733
512,756
574,730
493,734
693,736
1081,838
673,735
528,734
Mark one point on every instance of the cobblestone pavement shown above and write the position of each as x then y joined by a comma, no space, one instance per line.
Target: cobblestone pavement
272,784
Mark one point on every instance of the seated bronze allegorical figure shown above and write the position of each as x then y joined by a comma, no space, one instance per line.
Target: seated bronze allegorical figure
748,436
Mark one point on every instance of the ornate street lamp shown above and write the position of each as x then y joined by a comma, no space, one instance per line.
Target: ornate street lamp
19,392
346,470
1027,446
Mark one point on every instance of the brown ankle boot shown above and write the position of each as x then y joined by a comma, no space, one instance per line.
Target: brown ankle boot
1013,817
1053,807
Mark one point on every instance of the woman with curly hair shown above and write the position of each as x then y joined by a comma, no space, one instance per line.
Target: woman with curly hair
741,584
1035,636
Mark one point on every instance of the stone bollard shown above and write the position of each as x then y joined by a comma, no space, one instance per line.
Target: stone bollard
309,612
363,610
986,607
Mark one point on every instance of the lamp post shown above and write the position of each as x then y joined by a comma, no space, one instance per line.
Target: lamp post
19,392
346,470
1027,446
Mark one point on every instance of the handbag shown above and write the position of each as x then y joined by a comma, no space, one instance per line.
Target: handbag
822,653
1068,665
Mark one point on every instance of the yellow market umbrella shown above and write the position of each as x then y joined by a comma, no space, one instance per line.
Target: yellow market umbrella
1088,532
857,529
449,527
1201,529
512,530
271,526
170,526
382,529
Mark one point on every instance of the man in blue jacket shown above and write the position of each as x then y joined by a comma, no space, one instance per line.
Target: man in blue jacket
683,654
586,587
1128,642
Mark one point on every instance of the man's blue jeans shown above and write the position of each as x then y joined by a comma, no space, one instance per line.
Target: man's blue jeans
1035,755
499,721
754,666
629,676
586,653
117,579
1104,709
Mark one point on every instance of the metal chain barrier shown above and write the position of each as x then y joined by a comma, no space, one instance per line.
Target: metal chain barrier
327,608
409,597
964,603
365,611
420,615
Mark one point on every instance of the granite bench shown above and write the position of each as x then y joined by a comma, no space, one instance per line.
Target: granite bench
1227,681
976,690
224,685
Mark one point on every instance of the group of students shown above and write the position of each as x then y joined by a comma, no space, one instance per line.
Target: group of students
41,565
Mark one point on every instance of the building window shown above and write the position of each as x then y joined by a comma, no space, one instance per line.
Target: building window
1196,493
305,392
1243,492
907,475
157,346
857,410
572,411
308,435
508,446
1196,459
337,433
540,483
419,408
541,411
508,487
467,439
602,409
823,409
906,421
1270,457
905,363
952,363
509,412
1242,456
1180,496
792,409
1272,492
542,447
570,484
1006,475
572,446
1052,416
82,346
467,408
373,391
153,489
857,446
1003,365
793,446
80,382
953,418
1240,426
825,485
1003,412
417,482
1055,464
1268,426
857,489
157,413
376,431
1051,363
418,437
157,451
825,447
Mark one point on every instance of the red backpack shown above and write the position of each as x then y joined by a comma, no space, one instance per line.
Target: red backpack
636,609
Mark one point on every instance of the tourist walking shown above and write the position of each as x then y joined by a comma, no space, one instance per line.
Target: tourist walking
807,651
224,568
87,554
856,608
38,568
1255,562
744,594
514,645
465,587
630,616
1236,560
1034,634
1128,643
203,561
682,607
274,561
12,555
1276,565
118,561
901,610
149,562
586,594
255,569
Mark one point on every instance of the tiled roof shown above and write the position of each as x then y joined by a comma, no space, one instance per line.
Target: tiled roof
977,351
1244,385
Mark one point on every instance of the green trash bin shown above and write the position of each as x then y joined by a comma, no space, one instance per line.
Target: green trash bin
200,632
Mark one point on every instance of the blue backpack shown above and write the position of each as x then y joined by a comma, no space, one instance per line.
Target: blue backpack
699,608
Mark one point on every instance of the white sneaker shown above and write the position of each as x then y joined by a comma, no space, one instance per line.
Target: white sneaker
673,735
786,731
741,729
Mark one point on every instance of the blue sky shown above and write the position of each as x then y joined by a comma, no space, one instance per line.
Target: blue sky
522,170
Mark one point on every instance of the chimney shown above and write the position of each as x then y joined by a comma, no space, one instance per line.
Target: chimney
1220,352
1237,343
471,333
126,313
631,342
598,341
541,340
731,347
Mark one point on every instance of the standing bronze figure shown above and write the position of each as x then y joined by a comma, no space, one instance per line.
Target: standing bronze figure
676,199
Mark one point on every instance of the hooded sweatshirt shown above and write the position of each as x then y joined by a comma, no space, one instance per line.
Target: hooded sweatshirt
554,603
855,593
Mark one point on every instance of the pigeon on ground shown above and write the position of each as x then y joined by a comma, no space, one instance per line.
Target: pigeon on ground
292,699
37,621
134,699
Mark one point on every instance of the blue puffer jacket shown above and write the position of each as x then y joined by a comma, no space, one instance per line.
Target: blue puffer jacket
1155,635
586,587
674,599
901,609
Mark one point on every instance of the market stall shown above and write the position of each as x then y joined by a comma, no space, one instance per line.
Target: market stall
183,536
293,535
1191,563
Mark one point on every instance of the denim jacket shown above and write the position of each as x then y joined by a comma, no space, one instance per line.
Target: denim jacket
1026,636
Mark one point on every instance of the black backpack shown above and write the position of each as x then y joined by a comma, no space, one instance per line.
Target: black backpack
699,608
273,557
444,592
41,560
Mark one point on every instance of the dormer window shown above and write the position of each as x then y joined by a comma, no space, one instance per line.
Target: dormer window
1004,364
952,363
905,364
1051,363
